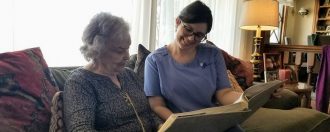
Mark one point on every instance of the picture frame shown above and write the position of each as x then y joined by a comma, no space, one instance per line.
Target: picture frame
326,2
272,64
287,40
327,29
328,14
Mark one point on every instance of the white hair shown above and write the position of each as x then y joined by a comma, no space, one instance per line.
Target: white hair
102,28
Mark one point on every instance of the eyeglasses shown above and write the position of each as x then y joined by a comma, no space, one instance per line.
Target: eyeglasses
198,36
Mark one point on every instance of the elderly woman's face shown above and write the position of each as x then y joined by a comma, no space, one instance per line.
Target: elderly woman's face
117,54
190,34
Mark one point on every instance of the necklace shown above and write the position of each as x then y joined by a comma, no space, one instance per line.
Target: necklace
130,102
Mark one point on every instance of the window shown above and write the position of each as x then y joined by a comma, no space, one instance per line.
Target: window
56,26
224,27
275,35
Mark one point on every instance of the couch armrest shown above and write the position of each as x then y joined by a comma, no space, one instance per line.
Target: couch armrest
288,100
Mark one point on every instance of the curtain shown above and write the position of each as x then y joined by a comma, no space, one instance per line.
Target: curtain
224,27
56,26
142,24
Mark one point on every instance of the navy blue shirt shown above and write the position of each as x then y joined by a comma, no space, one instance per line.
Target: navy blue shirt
186,87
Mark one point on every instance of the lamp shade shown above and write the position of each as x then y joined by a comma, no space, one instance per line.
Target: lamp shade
290,3
259,13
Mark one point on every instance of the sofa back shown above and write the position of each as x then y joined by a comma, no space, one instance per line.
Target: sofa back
241,70
60,74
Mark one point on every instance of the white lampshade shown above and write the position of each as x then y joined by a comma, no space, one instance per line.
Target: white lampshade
262,13
290,3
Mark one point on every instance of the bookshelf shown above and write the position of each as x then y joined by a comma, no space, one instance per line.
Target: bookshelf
322,26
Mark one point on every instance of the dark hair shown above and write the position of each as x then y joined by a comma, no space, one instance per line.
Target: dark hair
197,12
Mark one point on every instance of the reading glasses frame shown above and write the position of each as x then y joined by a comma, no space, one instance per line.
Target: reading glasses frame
198,36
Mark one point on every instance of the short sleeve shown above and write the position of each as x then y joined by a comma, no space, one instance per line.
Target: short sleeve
151,77
222,77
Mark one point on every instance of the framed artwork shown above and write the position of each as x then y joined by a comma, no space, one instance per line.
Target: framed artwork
328,14
287,40
327,29
326,2
272,64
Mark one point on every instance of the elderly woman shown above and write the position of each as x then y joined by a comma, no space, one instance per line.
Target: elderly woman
103,95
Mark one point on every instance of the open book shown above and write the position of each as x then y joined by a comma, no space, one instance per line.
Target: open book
218,119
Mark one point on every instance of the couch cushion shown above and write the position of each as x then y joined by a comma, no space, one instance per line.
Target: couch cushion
140,60
288,100
294,120
26,90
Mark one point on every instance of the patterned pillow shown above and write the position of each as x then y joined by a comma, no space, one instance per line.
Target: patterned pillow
234,84
26,90
141,57
242,70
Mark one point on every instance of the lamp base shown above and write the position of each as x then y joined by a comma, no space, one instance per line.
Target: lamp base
256,59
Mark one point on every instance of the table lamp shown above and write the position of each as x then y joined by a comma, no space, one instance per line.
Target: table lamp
259,15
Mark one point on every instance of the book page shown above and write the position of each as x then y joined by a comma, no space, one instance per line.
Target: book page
217,118
206,123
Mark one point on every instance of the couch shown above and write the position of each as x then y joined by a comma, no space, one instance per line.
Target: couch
33,112
278,115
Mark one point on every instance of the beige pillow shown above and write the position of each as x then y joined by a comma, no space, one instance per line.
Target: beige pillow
234,84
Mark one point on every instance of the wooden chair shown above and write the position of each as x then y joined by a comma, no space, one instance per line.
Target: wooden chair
298,63
303,89
56,122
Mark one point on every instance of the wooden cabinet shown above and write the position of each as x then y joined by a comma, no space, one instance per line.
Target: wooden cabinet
322,26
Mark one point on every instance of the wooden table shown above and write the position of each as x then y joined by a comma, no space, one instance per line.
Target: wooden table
303,90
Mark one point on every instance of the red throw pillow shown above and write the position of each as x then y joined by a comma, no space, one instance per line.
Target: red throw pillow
26,91
242,70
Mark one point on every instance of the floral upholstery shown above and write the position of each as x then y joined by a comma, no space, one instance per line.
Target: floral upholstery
26,90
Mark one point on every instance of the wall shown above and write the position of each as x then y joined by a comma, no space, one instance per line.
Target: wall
246,45
299,27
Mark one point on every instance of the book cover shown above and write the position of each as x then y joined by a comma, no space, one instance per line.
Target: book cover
217,119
